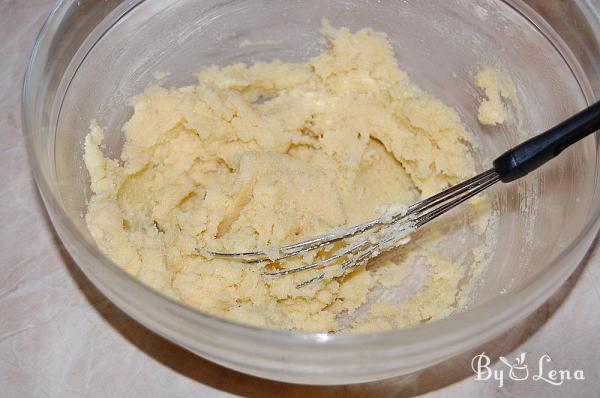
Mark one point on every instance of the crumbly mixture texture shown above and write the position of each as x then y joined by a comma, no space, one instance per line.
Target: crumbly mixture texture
497,86
270,154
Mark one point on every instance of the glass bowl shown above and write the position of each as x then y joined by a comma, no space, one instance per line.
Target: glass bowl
91,56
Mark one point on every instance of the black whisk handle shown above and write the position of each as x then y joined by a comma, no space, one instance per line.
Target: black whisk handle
531,154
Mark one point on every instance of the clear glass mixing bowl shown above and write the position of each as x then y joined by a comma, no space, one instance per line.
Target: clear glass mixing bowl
92,55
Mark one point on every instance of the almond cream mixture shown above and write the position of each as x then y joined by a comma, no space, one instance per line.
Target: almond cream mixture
271,154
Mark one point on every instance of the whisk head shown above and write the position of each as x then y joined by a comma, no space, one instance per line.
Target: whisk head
362,242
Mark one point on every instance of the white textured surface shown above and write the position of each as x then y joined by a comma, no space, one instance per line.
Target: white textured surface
59,337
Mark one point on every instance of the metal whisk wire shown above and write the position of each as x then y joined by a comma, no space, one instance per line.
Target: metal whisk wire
388,231
381,233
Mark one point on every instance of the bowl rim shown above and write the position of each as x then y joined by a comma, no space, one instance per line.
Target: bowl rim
502,313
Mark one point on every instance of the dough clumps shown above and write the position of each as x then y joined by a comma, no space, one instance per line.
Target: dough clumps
271,154
498,86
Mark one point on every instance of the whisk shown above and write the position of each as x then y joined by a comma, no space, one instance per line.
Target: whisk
351,247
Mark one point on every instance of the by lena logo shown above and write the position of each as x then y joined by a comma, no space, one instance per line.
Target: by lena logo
519,370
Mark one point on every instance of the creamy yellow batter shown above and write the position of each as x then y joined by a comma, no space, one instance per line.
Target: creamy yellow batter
269,154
